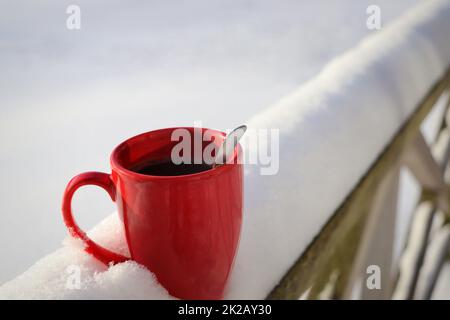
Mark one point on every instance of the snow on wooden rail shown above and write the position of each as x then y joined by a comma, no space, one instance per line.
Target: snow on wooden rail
332,129
360,233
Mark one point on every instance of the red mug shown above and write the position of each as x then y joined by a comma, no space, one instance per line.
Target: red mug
185,229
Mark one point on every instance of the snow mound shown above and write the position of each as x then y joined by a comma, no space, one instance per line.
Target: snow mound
70,273
331,130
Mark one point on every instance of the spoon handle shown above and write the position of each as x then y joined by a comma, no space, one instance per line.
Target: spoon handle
228,145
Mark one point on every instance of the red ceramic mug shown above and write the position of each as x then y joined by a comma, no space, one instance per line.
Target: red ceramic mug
185,229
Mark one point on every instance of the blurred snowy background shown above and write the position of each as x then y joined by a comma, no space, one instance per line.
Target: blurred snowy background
68,97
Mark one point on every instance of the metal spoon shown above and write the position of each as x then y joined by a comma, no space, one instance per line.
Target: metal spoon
228,145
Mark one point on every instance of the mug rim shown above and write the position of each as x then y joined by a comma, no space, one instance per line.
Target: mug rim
116,166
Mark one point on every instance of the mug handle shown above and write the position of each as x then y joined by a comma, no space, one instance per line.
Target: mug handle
104,181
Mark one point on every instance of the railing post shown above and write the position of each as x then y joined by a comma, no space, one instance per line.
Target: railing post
434,260
413,255
376,248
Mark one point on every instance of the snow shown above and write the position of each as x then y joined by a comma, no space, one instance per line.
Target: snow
69,97
333,128
345,115
52,277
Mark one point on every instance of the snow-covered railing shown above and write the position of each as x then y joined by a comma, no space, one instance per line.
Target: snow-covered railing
343,135
361,232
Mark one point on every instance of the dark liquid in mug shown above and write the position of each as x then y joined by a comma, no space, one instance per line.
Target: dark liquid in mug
168,168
